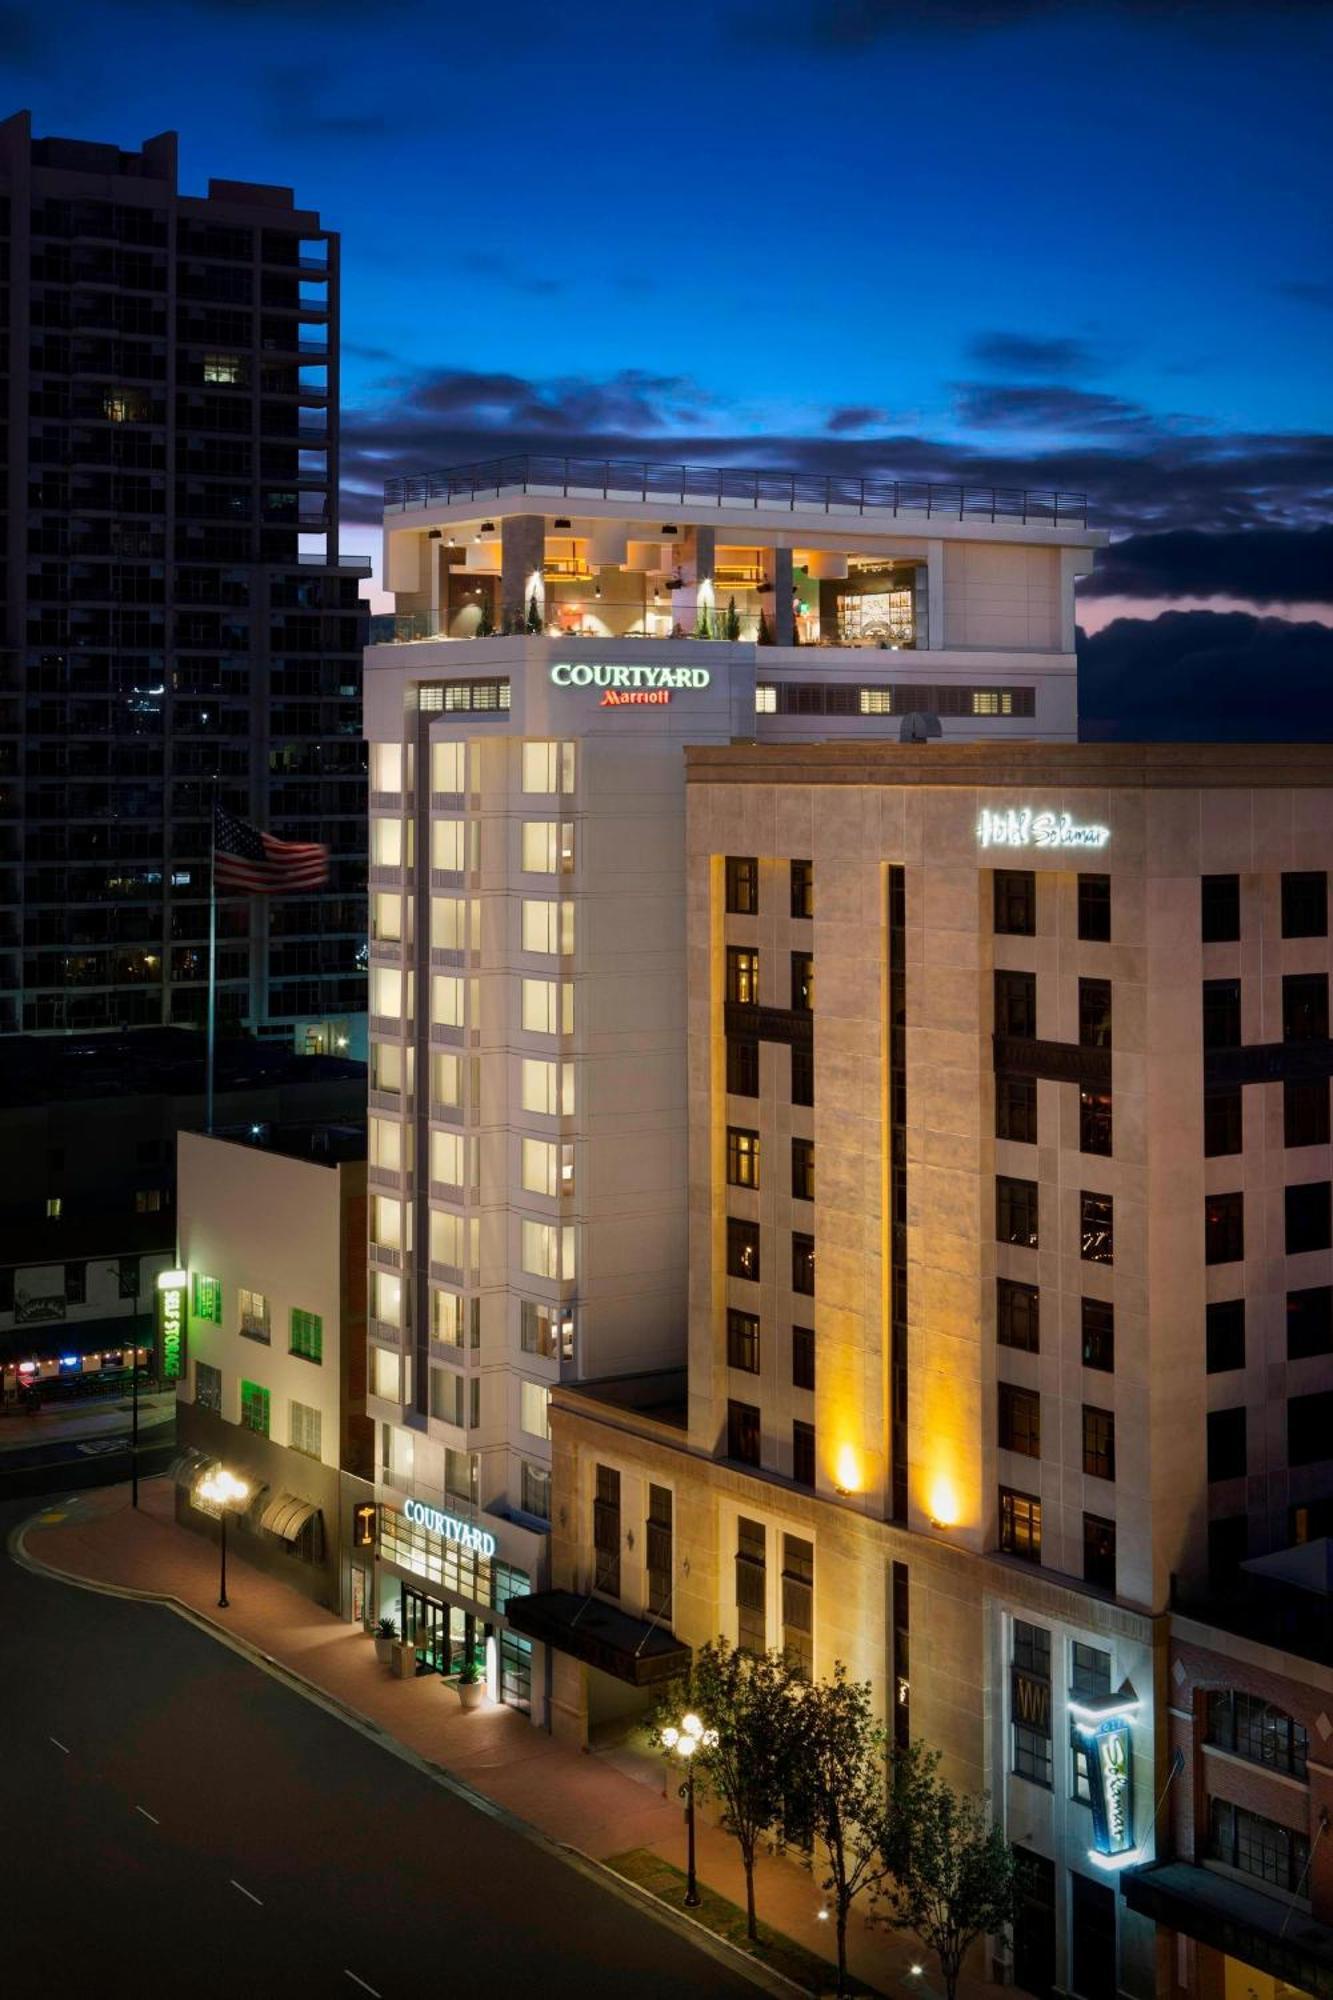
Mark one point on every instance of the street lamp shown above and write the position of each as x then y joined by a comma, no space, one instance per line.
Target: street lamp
224,1490
684,1741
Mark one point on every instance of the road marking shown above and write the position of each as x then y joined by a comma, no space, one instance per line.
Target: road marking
59,1745
244,1891
147,1815
360,1981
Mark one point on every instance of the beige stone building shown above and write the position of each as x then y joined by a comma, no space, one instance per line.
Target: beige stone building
1010,1268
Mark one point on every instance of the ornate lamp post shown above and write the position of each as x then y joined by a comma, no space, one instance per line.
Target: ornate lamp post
224,1490
683,1742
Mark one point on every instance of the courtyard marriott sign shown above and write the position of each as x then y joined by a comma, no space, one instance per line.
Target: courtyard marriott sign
1021,827
630,687
450,1528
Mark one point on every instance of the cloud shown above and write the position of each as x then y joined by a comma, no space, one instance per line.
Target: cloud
854,417
839,27
1308,292
1264,565
1045,407
1032,354
1209,677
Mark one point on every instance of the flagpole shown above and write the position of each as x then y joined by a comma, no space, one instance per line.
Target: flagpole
212,954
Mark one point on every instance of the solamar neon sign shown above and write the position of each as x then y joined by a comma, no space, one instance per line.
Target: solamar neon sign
637,687
1103,1728
450,1528
1021,827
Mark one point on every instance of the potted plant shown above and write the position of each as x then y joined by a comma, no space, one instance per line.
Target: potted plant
385,1633
471,1687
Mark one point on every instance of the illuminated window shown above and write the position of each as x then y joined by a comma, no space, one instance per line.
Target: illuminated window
448,844
547,1007
386,1298
534,1409
541,1166
447,1003
447,1158
1020,1524
386,767
307,1334
386,1144
765,700
386,1222
875,700
548,926
224,368
454,923
304,1429
547,1087
448,764
387,918
742,976
448,1239
255,1408
386,992
208,1387
386,1373
547,1249
548,767
742,1157
253,1307
206,1298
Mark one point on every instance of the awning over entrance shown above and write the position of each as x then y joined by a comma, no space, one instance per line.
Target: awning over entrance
600,1635
1262,1931
188,1467
286,1515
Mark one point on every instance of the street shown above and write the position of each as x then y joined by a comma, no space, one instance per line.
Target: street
178,1822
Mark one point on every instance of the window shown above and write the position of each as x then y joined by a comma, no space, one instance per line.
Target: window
1305,1007
386,1144
606,1532
765,699
254,1408
1030,1701
1308,1217
803,1357
1096,1221
1223,1228
802,982
798,1599
742,1157
742,1249
1016,1003
1020,1420
548,767
547,926
1094,1121
548,1006
1226,1444
386,1222
446,1396
253,1307
742,1066
743,1432
147,1201
803,888
1224,1334
534,1409
54,1207
386,1370
546,1087
1017,1315
304,1429
546,1329
802,1073
447,1318
447,1000
742,876
1305,904
76,1284
455,923
387,918
660,1562
1020,1524
742,976
206,1298
539,1166
1221,1013
228,369
803,1453
1094,908
1223,1121
803,1169
1099,1552
307,1335
1098,1317
1305,1112
208,1387
803,1264
1219,898
547,847
1094,1013
1098,1442
546,1249
1016,1108
1310,1428
1015,902
1089,1671
751,1586
1251,1727
462,1476
743,1340
534,1490
1261,1848
1309,1322
1016,1211
386,1297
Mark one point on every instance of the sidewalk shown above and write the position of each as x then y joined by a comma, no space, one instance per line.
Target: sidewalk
579,1799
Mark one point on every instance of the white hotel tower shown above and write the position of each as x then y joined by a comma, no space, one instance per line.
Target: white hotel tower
564,629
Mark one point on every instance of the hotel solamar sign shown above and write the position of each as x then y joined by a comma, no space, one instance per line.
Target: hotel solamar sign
629,687
1021,826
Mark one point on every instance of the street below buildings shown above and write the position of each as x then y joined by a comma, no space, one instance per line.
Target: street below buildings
180,1822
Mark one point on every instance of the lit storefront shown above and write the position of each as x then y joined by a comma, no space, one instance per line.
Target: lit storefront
442,1582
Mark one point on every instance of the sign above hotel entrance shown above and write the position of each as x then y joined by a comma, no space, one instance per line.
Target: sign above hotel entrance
630,687
450,1529
1021,827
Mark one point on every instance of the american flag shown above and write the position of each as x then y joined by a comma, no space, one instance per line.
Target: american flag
259,864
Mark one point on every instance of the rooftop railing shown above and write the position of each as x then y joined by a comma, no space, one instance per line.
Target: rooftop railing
684,486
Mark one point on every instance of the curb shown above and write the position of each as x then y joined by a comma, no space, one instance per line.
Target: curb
760,1975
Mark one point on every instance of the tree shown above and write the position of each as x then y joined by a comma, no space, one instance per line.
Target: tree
950,1869
534,614
746,1699
702,628
732,627
765,629
836,1792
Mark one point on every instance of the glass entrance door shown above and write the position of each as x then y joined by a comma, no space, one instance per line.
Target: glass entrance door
425,1622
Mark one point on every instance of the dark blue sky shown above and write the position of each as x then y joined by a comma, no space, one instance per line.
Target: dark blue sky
1023,239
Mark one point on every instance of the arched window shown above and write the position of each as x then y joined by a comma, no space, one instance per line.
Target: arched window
1255,1729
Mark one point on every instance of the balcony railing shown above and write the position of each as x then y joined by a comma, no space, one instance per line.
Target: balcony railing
729,487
